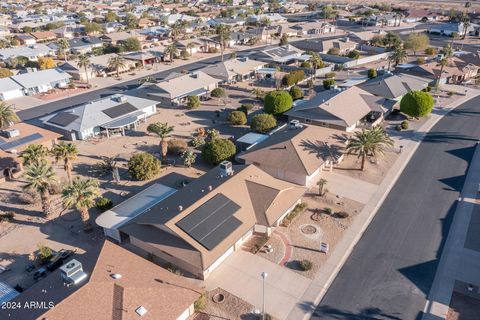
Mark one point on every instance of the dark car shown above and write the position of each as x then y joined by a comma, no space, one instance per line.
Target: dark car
40,273
58,259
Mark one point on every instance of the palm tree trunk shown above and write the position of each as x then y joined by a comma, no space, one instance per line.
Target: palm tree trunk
118,72
164,148
67,166
65,54
437,85
85,216
364,156
46,205
86,74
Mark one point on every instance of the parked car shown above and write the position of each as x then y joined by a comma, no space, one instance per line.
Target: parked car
58,259
40,273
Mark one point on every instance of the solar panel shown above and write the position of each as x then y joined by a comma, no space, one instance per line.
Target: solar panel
63,119
7,145
212,222
120,110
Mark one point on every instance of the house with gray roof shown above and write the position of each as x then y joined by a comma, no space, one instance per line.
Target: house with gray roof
10,89
340,109
84,44
111,115
233,70
42,81
32,52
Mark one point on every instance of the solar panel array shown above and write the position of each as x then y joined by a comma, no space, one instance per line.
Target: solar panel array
212,222
280,52
120,110
8,145
63,119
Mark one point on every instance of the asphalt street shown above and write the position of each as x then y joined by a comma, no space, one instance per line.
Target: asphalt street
390,271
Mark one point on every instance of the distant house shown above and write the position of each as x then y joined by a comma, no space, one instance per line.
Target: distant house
9,89
25,39
447,29
340,109
69,31
313,28
298,154
394,87
197,227
42,81
110,27
364,37
423,15
282,55
32,52
125,285
145,22
177,87
231,22
184,45
111,115
274,18
233,70
15,139
389,20
116,38
43,36
84,44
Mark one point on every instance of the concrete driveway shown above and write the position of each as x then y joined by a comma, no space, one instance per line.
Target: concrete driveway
348,187
240,275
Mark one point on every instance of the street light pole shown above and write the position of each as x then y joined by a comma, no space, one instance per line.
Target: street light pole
264,276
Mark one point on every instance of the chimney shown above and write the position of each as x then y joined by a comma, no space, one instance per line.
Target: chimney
226,168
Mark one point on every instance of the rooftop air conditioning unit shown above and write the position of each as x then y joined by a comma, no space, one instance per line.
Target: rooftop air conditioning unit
294,124
72,272
226,168
122,99
12,133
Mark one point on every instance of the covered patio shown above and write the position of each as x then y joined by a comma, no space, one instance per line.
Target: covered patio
130,121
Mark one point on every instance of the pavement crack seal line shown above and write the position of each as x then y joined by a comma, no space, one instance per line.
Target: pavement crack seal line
421,135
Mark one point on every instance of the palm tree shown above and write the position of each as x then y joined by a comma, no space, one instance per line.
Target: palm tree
81,194
447,52
64,46
84,62
171,51
190,46
66,152
7,116
34,154
115,63
321,184
39,177
369,142
162,130
398,55
175,31
225,35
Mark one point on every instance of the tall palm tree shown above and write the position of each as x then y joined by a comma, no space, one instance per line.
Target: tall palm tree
175,31
447,53
171,51
64,46
7,115
39,177
369,142
398,56
81,194
225,35
34,154
116,63
84,62
66,152
321,185
162,130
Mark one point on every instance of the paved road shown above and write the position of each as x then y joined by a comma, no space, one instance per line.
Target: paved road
390,271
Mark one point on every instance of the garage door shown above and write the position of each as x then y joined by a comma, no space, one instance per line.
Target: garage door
220,260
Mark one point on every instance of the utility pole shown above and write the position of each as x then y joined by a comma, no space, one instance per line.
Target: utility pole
264,276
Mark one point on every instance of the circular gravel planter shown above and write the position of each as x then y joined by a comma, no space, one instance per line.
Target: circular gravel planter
308,229
218,298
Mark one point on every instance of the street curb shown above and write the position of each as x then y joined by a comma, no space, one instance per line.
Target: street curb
425,129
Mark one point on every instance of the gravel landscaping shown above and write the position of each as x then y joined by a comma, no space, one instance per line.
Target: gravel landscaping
278,249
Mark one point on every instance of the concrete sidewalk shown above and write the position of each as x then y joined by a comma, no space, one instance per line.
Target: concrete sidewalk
324,278
454,253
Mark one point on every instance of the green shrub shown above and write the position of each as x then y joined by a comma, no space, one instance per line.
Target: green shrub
177,146
306,65
201,303
334,51
372,73
306,265
329,83
328,211
450,93
431,51
193,102
7,216
212,50
198,141
218,93
341,214
338,67
427,89
237,118
420,60
354,54
143,166
417,104
263,123
299,208
293,77
296,93
404,124
246,108
277,102
330,75
218,150
398,127
44,253
103,204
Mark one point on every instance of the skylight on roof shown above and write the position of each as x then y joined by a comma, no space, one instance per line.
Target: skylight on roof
141,311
